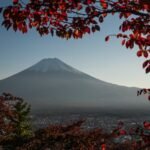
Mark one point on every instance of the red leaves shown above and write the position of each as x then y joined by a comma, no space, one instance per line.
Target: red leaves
123,42
77,33
104,4
66,136
144,91
22,27
145,53
15,2
89,2
142,53
87,30
122,132
107,38
119,130
146,125
139,53
146,63
6,14
101,19
79,7
103,147
147,69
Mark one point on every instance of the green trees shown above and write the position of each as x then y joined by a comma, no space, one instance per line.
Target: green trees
14,120
22,125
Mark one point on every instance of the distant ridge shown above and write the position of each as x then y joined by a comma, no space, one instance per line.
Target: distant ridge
51,83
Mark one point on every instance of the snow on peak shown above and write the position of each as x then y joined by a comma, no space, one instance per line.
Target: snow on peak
52,64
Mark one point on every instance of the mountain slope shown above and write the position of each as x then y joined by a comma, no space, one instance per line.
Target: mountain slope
52,83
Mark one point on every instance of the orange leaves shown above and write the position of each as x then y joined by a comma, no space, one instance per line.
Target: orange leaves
62,7
68,34
22,27
34,23
77,34
104,4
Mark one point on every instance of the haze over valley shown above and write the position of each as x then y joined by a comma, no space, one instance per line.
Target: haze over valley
53,84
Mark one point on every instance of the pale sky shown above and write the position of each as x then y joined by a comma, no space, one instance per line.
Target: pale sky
108,61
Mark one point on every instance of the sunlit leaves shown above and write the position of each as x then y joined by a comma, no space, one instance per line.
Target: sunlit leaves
104,4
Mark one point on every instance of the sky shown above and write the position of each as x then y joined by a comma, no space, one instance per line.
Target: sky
108,61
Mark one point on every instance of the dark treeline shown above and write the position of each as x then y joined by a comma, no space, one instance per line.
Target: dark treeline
17,133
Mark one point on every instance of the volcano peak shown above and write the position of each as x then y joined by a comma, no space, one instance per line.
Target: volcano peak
52,64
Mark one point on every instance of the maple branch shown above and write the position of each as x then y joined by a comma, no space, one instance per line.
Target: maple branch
115,11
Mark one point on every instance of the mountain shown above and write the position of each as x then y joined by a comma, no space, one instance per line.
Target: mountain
52,83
